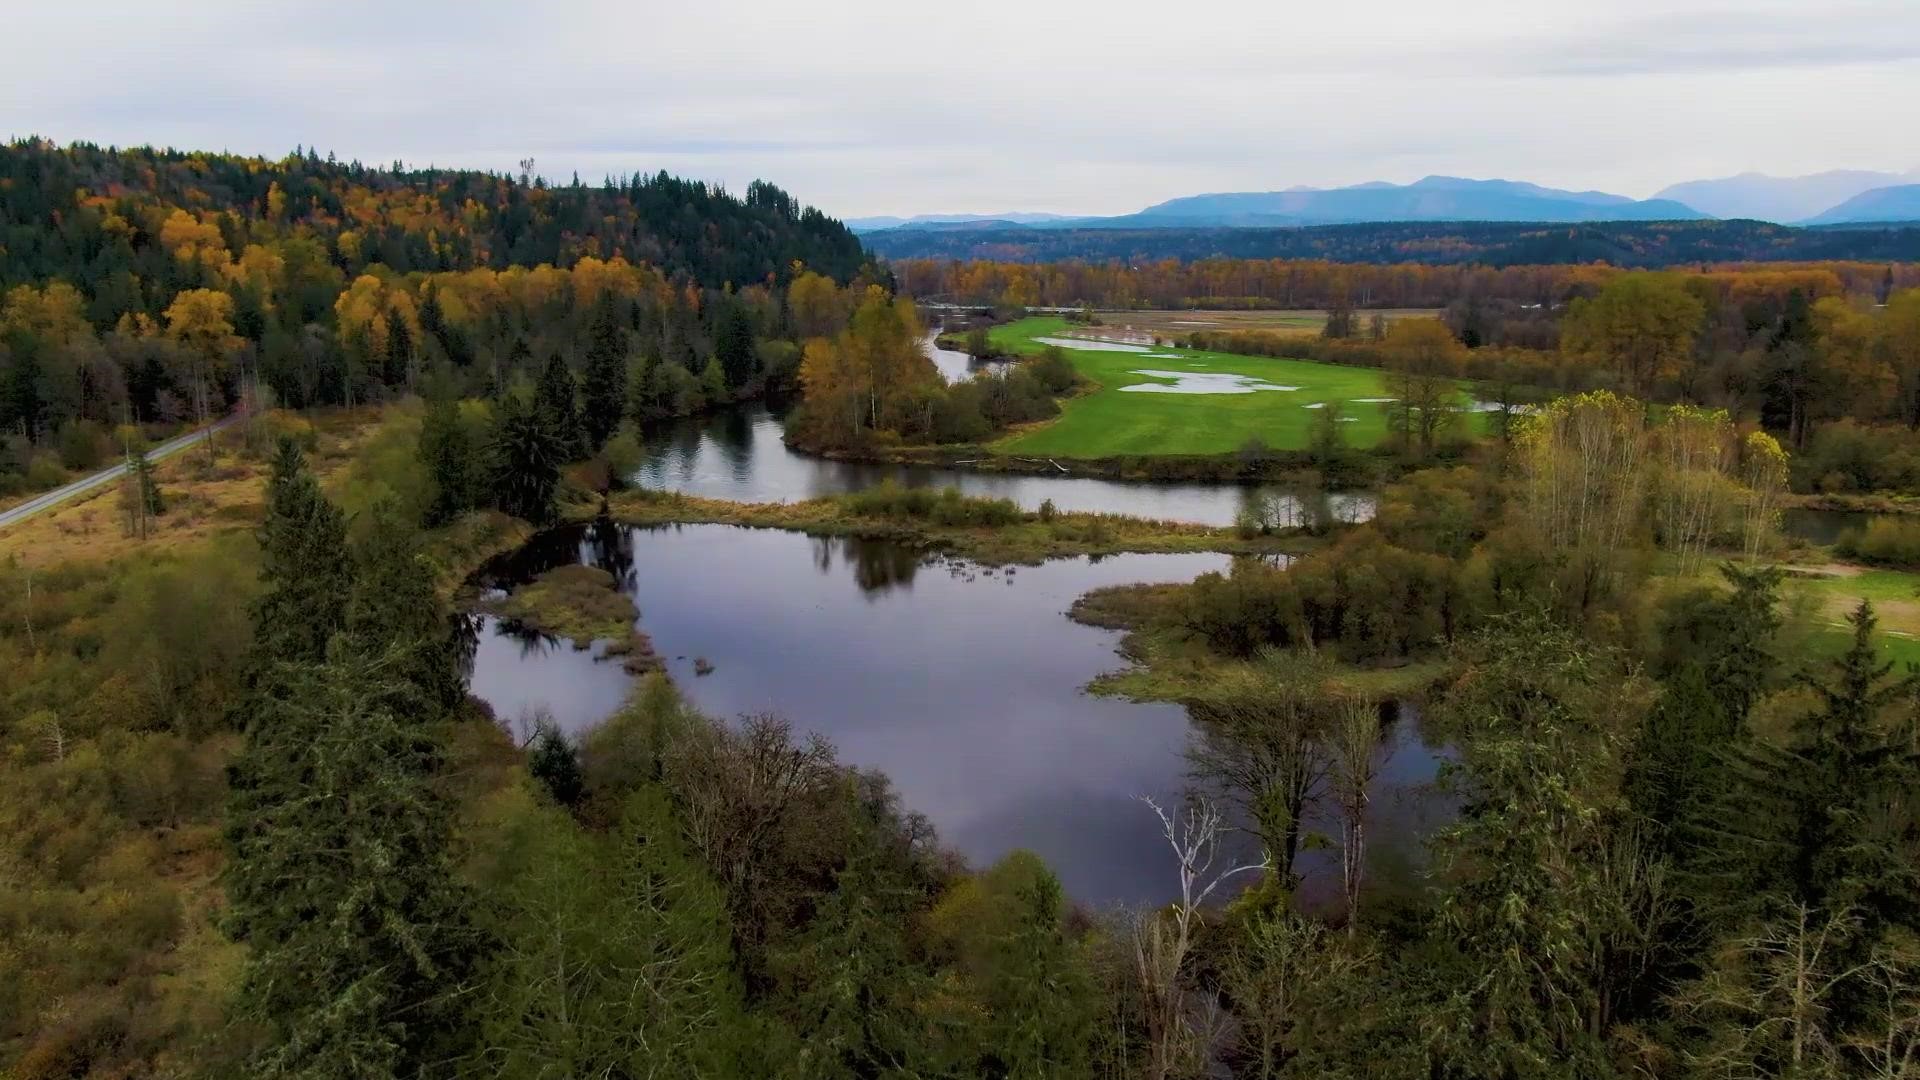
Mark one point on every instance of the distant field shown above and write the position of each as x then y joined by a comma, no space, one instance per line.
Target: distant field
1303,320
1111,420
1896,601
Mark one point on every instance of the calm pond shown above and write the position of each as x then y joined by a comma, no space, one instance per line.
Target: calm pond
962,683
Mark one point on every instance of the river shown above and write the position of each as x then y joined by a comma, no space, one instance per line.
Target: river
962,683
738,454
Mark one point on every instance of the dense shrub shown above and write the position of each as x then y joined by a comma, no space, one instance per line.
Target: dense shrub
83,445
1054,370
1018,397
1848,456
45,471
945,506
1366,598
959,415
1887,541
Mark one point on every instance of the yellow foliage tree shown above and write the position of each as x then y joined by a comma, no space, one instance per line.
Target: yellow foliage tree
1763,469
1900,347
1642,325
57,314
201,320
815,304
869,376
1423,360
1851,371
193,240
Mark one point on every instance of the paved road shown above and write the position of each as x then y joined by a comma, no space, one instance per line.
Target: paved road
105,476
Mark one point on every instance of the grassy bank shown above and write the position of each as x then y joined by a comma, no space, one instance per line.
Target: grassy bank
1237,466
1112,421
582,604
985,530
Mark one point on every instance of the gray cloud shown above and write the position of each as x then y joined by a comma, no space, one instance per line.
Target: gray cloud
869,107
1749,38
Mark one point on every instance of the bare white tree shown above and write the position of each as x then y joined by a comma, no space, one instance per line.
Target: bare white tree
1888,1045
1260,747
1355,737
1768,995
1180,1026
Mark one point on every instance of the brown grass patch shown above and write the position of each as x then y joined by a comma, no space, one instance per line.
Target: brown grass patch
204,498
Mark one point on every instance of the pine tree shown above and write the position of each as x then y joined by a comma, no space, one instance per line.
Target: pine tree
605,387
21,399
1718,665
849,986
433,321
713,382
733,344
524,459
556,400
1038,993
304,570
341,880
616,957
399,349
553,761
395,611
140,497
448,451
1522,860
1820,821
643,398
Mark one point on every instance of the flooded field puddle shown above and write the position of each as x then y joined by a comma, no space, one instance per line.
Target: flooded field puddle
1201,382
1091,345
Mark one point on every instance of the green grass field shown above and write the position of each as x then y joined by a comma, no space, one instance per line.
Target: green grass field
1896,602
1109,421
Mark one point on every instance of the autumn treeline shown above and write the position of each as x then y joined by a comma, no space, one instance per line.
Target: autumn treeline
91,214
149,288
1793,351
1319,283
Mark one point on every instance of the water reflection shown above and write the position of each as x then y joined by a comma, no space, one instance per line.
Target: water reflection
739,454
878,566
955,366
1822,526
960,682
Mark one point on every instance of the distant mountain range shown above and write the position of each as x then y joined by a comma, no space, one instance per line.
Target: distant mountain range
1782,198
1897,203
1435,198
1489,243
928,221
1840,197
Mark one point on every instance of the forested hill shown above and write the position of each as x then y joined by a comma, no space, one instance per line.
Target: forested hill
1618,243
96,218
155,286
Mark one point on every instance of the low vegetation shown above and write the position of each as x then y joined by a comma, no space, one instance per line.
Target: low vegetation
581,603
991,531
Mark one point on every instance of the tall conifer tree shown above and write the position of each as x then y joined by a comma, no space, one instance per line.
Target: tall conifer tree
603,392
304,568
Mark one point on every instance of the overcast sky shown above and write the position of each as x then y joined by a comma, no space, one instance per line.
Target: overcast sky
984,105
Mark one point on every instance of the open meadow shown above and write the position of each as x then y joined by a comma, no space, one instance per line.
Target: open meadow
1163,400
